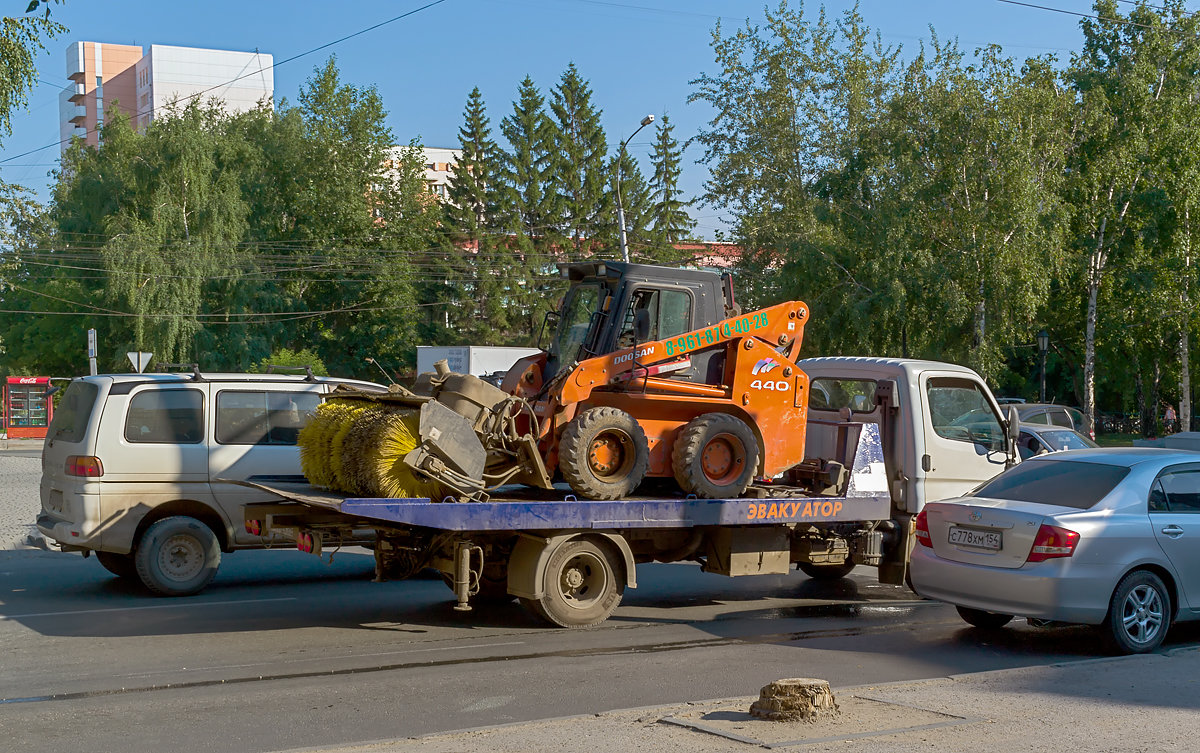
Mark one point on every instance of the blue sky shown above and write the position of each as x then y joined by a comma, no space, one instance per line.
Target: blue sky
638,55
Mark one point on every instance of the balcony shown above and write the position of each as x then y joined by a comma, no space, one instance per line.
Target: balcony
76,113
78,89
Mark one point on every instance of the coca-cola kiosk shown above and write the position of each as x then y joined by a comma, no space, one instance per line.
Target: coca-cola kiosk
27,407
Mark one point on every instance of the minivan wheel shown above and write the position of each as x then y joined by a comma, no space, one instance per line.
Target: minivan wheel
1138,614
177,556
120,565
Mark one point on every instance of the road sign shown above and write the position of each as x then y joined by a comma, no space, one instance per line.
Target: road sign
139,360
91,343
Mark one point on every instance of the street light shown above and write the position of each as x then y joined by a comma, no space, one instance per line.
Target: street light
620,209
1043,342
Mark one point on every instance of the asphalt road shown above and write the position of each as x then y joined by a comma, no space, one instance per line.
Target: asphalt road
286,651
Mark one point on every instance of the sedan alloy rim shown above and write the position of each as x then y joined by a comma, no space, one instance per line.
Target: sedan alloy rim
1142,614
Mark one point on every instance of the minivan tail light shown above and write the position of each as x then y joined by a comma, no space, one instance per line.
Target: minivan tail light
922,529
1052,542
86,466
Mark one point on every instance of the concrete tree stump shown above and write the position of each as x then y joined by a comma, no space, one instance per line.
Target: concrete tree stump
797,699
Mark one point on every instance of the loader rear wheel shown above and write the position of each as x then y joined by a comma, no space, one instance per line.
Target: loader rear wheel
603,453
583,584
715,456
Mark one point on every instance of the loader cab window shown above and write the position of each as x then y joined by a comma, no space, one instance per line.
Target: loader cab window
574,328
670,314
960,410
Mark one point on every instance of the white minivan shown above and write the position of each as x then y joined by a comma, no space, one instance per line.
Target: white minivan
137,467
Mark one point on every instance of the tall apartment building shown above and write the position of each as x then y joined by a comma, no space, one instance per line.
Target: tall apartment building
104,76
439,167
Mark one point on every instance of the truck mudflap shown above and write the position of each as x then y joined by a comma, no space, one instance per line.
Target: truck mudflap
866,499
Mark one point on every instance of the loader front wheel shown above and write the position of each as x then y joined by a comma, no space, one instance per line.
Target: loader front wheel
715,456
603,453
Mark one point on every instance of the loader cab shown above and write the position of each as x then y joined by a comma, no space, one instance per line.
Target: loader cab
606,299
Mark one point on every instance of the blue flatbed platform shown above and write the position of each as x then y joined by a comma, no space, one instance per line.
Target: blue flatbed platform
867,498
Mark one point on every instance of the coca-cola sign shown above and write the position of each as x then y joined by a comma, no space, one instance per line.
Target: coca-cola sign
28,380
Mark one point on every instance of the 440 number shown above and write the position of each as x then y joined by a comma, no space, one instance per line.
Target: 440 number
769,384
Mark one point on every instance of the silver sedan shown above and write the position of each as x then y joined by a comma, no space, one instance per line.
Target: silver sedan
1107,537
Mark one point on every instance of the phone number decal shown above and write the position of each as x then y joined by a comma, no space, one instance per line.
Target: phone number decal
716,333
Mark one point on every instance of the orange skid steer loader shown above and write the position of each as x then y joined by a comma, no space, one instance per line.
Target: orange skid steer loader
652,372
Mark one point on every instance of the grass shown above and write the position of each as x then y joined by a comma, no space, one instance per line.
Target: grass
1116,440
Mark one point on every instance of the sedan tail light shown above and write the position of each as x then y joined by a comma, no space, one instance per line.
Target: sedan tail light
87,466
1052,542
922,529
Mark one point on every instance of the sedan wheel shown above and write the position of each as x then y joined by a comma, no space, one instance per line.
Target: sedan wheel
1138,614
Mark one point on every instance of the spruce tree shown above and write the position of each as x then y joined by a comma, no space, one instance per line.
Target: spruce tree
671,222
580,168
529,206
476,257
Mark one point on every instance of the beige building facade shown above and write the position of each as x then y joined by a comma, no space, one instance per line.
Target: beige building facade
144,85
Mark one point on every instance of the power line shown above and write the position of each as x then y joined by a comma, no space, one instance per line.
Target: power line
272,67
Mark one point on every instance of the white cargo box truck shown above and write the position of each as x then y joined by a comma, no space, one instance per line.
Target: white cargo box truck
476,360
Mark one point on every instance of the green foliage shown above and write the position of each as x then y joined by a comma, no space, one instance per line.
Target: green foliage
287,360
670,220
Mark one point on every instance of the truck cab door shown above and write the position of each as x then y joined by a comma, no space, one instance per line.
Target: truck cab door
963,433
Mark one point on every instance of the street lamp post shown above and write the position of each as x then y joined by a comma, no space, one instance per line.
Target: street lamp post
621,209
1043,343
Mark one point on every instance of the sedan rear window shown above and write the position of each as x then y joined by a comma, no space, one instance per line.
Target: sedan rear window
1050,482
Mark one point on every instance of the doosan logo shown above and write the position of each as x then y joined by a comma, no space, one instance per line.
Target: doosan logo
765,366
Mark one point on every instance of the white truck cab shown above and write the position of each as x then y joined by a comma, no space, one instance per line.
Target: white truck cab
945,434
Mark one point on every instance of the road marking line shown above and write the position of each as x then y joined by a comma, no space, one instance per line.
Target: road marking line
136,609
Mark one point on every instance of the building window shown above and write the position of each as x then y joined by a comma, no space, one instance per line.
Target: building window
439,189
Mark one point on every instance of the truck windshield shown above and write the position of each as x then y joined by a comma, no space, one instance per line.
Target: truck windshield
575,326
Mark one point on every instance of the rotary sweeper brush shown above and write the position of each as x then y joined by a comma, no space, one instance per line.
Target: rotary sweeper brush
652,372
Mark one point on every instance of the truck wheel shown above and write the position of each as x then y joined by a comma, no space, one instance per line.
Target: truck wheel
603,453
120,565
583,585
177,556
826,571
1139,614
984,620
715,456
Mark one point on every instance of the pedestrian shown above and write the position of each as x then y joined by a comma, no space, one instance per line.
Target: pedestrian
1169,420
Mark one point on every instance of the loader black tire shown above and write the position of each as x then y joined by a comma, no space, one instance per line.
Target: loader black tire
603,453
715,456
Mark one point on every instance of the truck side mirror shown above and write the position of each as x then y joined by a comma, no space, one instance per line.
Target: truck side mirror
1012,431
641,325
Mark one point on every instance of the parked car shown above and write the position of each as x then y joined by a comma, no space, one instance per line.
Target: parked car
1053,415
1038,439
1103,537
138,468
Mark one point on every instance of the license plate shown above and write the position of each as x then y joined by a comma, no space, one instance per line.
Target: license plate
978,539
54,501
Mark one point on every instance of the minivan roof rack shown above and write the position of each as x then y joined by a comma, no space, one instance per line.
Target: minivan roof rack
192,367
275,368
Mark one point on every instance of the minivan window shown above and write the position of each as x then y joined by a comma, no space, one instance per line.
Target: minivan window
245,417
166,416
1051,482
71,418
